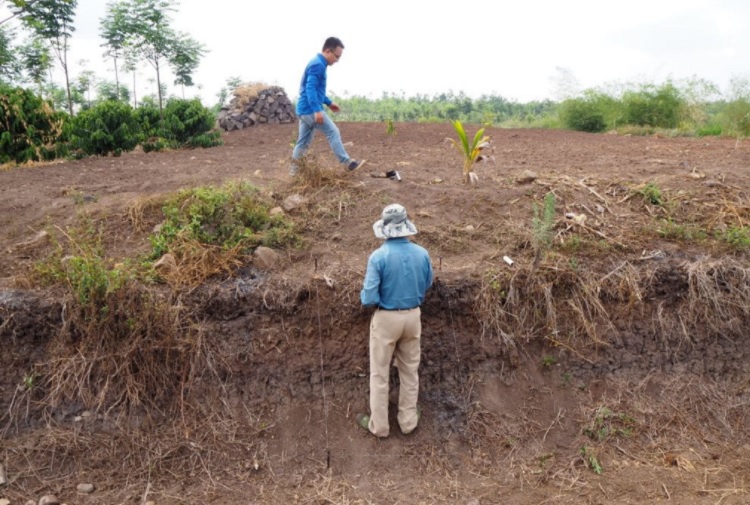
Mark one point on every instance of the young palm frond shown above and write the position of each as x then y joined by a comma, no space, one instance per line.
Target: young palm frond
472,153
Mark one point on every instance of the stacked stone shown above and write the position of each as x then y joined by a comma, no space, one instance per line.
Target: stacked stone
271,106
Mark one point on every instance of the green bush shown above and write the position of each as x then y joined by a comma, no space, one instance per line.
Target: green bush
189,123
737,113
110,127
654,106
227,216
30,129
148,118
582,115
156,144
709,130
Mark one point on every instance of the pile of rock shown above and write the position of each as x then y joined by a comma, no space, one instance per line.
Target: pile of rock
268,105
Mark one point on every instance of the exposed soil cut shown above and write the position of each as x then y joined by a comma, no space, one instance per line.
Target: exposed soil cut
614,371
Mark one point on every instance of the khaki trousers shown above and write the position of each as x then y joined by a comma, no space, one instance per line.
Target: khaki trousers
394,331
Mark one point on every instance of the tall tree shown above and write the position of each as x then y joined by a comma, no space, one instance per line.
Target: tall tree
36,61
53,20
84,82
19,6
115,31
149,21
186,55
155,41
9,64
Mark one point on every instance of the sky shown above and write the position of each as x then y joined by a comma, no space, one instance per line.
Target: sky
520,50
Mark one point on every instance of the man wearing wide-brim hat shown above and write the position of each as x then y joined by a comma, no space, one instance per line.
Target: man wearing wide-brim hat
398,274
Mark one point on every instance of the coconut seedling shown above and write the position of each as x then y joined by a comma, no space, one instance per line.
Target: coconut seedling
390,129
472,152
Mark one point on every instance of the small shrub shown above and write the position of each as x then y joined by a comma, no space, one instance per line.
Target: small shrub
228,216
148,118
189,123
710,130
30,129
654,106
109,127
86,272
582,115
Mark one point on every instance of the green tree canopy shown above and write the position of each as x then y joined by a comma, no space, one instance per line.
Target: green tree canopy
52,20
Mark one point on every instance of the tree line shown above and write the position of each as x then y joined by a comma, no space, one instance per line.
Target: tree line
133,32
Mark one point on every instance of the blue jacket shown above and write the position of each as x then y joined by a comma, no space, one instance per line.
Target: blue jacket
312,88
398,274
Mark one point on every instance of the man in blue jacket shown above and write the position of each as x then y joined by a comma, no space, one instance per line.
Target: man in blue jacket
312,97
398,275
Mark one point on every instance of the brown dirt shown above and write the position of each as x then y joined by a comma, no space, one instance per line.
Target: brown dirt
626,341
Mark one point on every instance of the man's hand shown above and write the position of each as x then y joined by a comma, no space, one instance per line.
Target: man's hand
334,107
319,117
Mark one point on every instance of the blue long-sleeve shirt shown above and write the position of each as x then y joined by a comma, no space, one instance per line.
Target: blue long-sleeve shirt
312,88
398,274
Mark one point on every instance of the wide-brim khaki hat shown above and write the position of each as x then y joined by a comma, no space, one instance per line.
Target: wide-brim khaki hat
394,223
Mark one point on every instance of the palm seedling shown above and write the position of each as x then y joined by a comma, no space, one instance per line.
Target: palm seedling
472,152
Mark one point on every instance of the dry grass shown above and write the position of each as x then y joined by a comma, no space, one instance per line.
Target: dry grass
313,174
247,92
572,307
556,303
135,349
143,210
207,443
190,262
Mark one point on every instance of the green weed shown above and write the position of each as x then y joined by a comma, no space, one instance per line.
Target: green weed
85,271
670,230
548,361
607,424
566,380
652,194
590,460
737,237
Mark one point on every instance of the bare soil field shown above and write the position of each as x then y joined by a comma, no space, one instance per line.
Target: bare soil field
615,369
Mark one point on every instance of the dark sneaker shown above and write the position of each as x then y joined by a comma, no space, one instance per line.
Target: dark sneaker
354,164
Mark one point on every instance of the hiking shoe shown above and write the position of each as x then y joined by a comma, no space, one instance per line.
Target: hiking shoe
354,164
363,421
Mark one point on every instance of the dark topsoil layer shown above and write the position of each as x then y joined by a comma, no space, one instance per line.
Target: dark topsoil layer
624,348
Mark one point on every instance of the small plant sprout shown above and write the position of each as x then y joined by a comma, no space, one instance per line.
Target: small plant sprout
29,380
472,152
548,361
390,129
590,460
652,194
543,224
